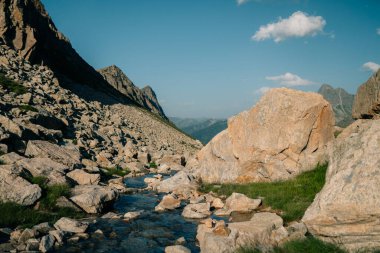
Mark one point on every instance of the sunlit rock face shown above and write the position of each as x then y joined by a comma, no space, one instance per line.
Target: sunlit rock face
286,133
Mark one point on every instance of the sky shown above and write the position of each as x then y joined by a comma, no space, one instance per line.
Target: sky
215,58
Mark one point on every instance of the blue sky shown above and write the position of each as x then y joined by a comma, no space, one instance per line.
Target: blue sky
215,58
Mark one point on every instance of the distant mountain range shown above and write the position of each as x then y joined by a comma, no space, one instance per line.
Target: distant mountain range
341,102
203,129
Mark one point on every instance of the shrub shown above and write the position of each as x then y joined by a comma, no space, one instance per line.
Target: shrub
13,215
2,162
153,165
291,198
11,86
116,171
27,108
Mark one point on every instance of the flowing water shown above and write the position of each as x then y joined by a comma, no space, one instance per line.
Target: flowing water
150,232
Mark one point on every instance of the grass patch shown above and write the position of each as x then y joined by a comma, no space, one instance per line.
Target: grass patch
2,162
309,245
74,141
292,197
109,172
153,165
11,86
27,108
13,215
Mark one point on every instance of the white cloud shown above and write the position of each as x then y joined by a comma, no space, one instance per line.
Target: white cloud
299,24
371,66
263,90
378,31
240,2
289,80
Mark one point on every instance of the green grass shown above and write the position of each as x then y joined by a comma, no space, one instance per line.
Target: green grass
109,172
309,245
12,214
27,108
2,162
291,198
153,165
11,86
74,141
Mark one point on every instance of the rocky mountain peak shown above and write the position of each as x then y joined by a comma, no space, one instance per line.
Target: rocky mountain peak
341,102
145,97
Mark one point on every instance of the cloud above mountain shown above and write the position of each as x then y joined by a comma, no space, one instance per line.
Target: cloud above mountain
371,66
289,80
299,24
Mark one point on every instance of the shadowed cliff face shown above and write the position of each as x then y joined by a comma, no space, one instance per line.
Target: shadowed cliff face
145,97
26,27
367,99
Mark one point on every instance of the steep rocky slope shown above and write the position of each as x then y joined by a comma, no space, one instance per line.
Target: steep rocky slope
201,129
341,102
145,97
367,99
26,27
103,132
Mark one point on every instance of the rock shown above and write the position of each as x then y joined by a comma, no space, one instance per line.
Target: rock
217,203
45,167
256,232
347,210
168,202
47,243
3,148
66,203
11,158
144,157
16,189
70,225
286,133
58,236
196,211
117,184
93,198
132,215
44,149
221,229
177,249
180,241
367,99
296,231
172,159
81,177
32,245
111,215
238,202
179,181
27,234
43,228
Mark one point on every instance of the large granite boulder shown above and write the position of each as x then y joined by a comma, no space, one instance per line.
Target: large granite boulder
93,198
367,99
45,167
45,149
16,189
179,182
286,133
347,210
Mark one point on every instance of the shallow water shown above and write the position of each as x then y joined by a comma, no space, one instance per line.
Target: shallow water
151,232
